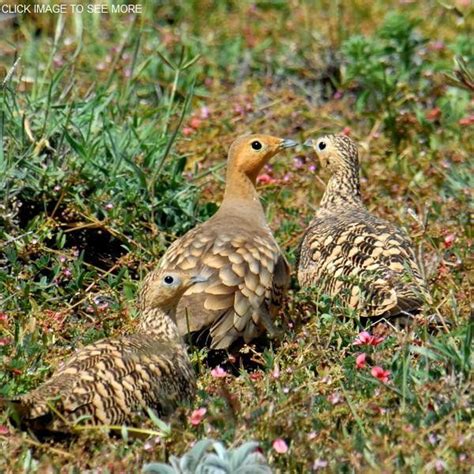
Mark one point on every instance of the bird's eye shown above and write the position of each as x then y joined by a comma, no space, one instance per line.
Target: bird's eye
321,145
168,279
256,145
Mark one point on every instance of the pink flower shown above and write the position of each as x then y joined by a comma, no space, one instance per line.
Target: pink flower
380,374
218,372
151,443
433,114
436,45
466,121
365,338
319,464
67,273
109,206
347,131
276,373
298,162
280,446
255,376
5,341
58,60
4,431
197,416
195,123
335,398
361,360
238,109
266,179
377,410
204,112
449,240
3,317
188,131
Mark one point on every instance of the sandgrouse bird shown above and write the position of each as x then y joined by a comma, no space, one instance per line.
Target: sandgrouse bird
248,275
111,381
346,251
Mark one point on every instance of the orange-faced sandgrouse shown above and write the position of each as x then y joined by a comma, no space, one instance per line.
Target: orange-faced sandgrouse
346,251
248,275
111,381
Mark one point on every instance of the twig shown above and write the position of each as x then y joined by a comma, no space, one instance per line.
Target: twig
11,71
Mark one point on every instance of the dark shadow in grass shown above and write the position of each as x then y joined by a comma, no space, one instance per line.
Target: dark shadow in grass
238,357
100,248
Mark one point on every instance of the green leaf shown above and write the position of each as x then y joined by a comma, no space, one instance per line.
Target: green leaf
162,426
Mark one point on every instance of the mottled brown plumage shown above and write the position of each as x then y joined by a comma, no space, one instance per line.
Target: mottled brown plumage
346,251
248,275
111,381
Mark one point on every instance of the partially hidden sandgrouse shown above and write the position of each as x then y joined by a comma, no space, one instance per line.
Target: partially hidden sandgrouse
248,275
346,251
111,381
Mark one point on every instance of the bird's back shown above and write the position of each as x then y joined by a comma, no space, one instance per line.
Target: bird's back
248,276
109,382
367,261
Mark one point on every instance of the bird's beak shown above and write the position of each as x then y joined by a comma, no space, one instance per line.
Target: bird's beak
309,142
198,279
287,143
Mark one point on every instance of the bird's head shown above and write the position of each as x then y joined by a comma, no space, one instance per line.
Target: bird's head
163,288
249,153
335,152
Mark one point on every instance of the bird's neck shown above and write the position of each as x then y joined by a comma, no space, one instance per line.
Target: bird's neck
160,324
240,191
342,190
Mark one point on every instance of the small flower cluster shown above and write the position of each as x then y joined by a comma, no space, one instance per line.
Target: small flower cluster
123,64
52,321
448,240
197,415
367,339
280,446
299,162
196,121
218,372
66,272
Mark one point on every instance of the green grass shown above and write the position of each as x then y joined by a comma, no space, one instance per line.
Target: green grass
114,131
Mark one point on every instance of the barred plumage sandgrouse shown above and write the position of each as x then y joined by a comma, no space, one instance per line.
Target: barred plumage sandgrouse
111,381
346,251
248,275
